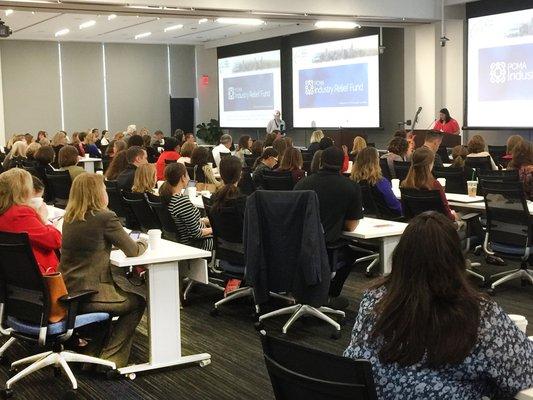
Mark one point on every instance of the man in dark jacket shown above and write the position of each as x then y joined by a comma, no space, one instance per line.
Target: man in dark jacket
136,157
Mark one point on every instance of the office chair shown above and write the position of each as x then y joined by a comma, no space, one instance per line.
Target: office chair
500,176
416,202
455,179
478,163
190,170
509,229
167,162
442,151
249,160
227,225
370,144
273,180
224,155
497,153
385,170
299,372
143,213
118,206
401,169
24,313
59,183
246,183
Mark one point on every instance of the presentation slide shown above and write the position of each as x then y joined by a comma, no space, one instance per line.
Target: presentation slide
500,70
249,89
336,84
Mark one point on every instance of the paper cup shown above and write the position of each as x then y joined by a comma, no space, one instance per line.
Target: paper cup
395,184
520,321
36,202
159,184
472,188
442,182
100,172
87,156
206,193
154,238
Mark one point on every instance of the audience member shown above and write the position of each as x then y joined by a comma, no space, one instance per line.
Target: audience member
245,144
429,333
104,141
269,139
522,160
17,215
224,147
31,150
118,164
359,143
16,156
159,139
397,151
119,136
433,142
477,148
145,179
316,162
151,152
28,138
179,135
203,173
191,228
314,141
257,148
186,152
68,160
170,152
366,170
189,138
40,136
76,142
135,140
136,157
280,145
292,162
44,157
90,230
229,195
512,141
267,162
459,154
327,142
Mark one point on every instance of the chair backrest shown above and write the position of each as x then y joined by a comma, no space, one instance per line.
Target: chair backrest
307,166
246,183
370,144
224,155
299,372
166,222
374,204
167,162
116,201
249,160
497,152
22,288
143,213
401,169
198,174
307,156
190,170
385,170
416,202
227,224
508,219
455,178
442,151
59,184
496,177
273,180
479,163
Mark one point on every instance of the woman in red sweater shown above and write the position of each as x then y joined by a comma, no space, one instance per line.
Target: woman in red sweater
170,153
16,216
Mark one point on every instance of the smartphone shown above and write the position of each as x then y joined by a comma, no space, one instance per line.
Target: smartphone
191,183
135,235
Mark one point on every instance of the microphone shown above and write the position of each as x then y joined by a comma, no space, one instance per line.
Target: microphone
417,114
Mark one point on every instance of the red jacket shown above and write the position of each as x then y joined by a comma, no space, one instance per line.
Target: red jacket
160,164
44,239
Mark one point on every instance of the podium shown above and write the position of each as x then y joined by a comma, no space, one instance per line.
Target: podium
448,140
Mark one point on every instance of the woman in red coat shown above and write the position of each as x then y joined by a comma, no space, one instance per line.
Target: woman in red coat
16,216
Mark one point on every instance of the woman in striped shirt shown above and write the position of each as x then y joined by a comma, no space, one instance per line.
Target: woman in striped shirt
191,228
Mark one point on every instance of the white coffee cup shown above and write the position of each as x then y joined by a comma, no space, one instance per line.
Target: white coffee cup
191,191
395,184
206,193
99,172
36,202
154,238
442,182
87,156
520,321
159,184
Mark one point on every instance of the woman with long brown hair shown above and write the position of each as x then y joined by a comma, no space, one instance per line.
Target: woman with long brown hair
429,334
292,162
522,160
119,164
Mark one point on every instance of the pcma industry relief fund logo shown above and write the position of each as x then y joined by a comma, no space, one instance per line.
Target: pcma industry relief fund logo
498,72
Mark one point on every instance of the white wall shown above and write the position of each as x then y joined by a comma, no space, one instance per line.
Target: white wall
206,106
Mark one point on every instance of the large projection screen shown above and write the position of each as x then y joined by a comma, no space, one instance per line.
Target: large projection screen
249,89
500,70
336,84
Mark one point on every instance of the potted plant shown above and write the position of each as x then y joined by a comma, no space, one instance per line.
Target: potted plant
210,133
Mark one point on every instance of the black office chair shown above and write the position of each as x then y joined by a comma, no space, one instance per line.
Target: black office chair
307,155
25,310
385,170
190,170
249,160
455,179
497,153
167,162
442,151
116,201
501,176
299,372
59,184
168,226
273,180
509,228
246,183
479,163
227,225
224,155
401,169
143,213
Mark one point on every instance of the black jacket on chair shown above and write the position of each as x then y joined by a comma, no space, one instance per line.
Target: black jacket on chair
284,245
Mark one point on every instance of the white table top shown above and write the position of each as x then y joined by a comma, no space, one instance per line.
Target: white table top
452,197
371,228
525,395
83,159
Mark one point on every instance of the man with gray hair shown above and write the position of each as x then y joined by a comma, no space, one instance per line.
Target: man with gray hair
224,147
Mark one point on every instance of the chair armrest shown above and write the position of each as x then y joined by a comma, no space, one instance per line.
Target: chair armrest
470,216
339,244
77,296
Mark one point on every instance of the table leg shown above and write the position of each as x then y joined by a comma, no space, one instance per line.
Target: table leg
164,335
387,246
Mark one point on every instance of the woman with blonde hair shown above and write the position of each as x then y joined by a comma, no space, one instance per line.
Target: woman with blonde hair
512,142
145,179
31,150
76,142
58,141
359,143
17,215
90,147
314,141
90,230
16,156
366,170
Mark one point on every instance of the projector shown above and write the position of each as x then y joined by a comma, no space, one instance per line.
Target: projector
5,31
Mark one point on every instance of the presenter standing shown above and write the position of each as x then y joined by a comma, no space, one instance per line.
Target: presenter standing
446,124
276,123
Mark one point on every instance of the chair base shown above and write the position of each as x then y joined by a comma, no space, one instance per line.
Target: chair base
237,294
522,273
191,283
474,273
57,359
299,310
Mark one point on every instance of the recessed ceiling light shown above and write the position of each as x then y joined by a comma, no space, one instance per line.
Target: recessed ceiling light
202,21
9,12
87,24
62,32
142,35
173,27
240,21
337,24
112,16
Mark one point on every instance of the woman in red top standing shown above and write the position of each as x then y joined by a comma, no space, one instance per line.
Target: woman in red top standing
170,152
17,216
446,123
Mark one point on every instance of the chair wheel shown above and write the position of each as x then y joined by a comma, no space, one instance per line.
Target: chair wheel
336,335
259,326
7,393
214,312
368,274
70,395
491,291
113,374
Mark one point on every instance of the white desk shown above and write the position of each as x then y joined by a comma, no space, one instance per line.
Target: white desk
165,265
89,164
525,395
388,234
